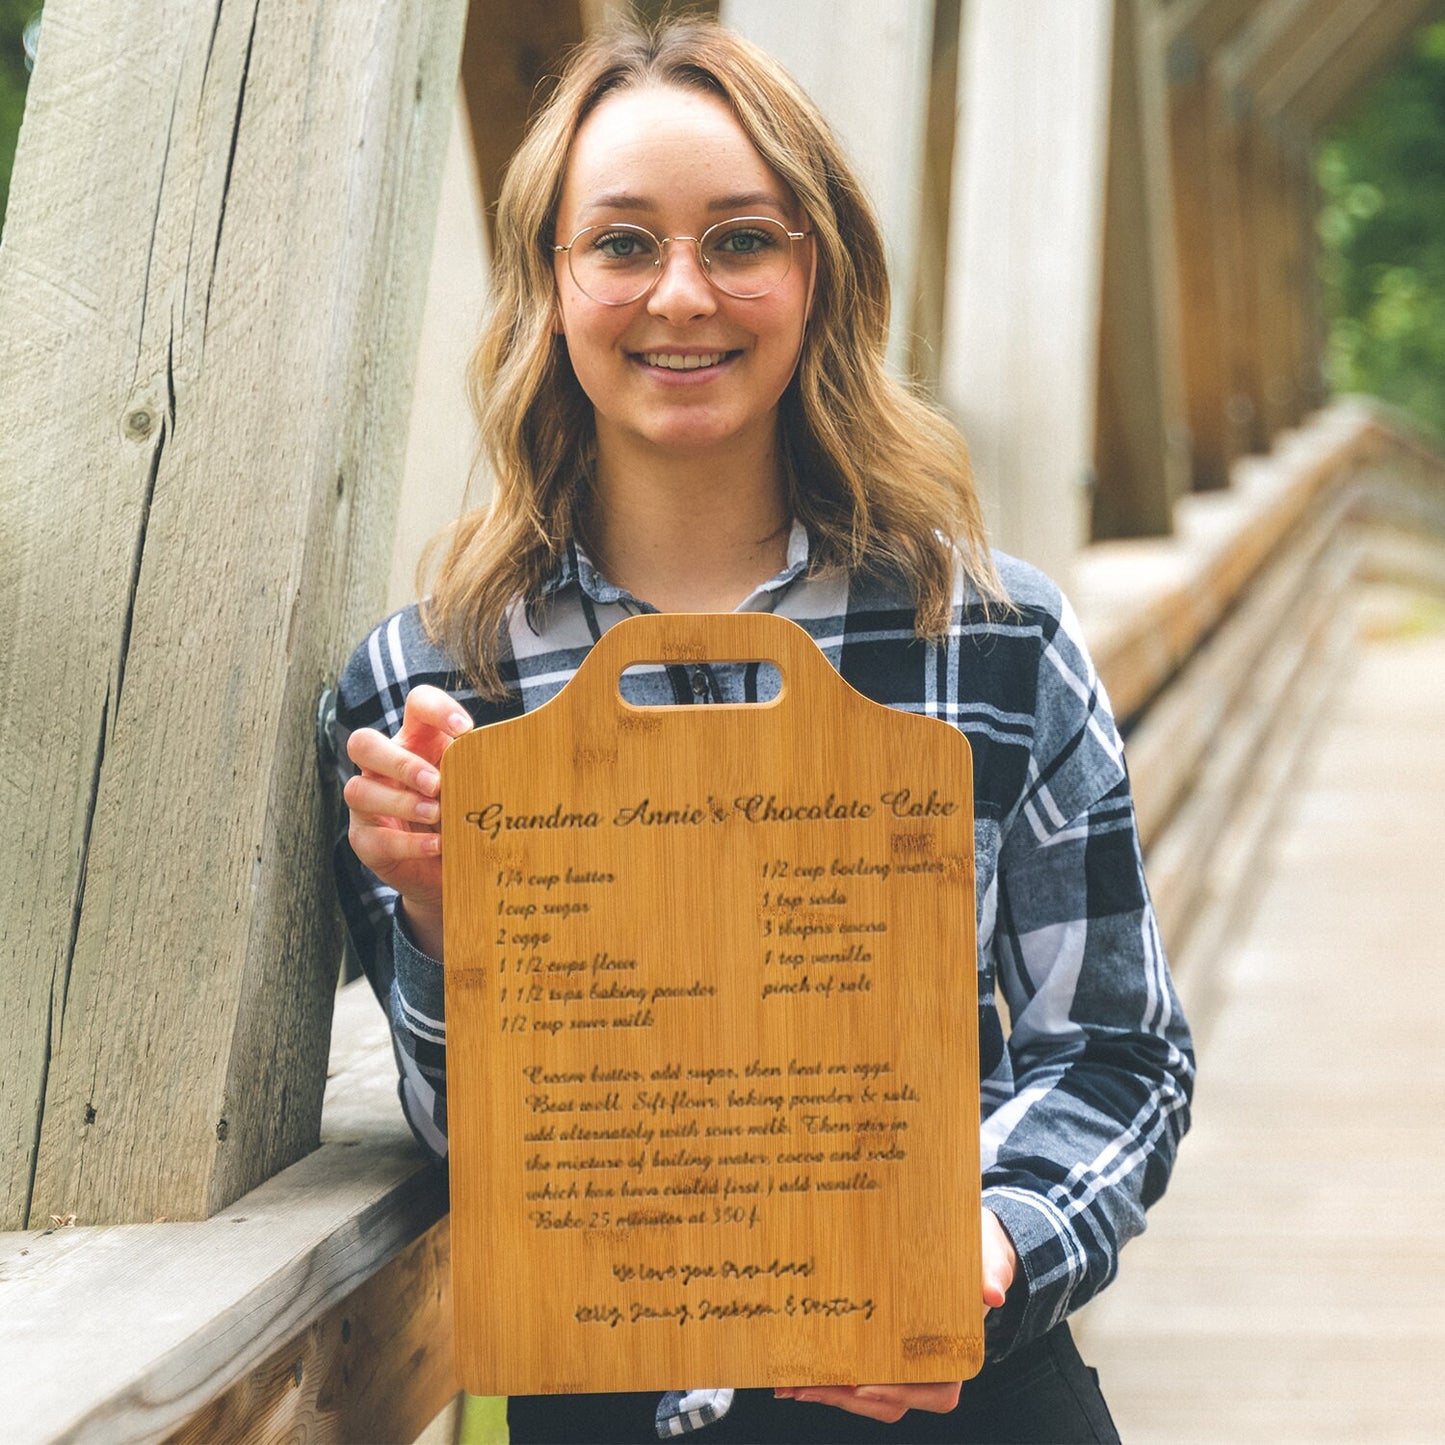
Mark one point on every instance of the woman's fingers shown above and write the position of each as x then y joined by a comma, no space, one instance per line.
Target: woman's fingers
886,1403
999,1261
383,757
395,800
372,800
431,721
381,849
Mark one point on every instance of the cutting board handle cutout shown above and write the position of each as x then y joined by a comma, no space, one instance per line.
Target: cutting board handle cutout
681,639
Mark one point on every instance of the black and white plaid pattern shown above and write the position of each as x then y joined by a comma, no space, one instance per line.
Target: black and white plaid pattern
681,1412
1085,1101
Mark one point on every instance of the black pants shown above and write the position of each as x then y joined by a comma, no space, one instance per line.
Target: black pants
1041,1393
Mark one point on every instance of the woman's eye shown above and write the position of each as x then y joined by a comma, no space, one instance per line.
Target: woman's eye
621,246
744,243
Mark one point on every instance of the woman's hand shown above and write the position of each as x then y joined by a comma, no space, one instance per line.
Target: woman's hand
395,812
890,1403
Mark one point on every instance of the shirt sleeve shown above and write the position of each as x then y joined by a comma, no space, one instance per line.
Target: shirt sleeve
1100,1052
409,984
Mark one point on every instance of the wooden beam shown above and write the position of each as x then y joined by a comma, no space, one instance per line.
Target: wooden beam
1196,181
1147,605
1371,44
1236,184
1313,381
378,1366
1021,329
1273,32
1201,26
441,435
160,1321
1273,279
926,353
1333,25
209,293
871,79
1139,466
510,49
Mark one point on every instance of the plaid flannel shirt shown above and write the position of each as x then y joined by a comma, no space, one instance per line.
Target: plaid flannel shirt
1086,1099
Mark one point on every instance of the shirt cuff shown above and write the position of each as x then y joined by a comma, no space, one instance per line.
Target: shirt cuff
420,979
1050,1265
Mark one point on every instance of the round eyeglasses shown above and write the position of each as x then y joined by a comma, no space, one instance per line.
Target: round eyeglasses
745,257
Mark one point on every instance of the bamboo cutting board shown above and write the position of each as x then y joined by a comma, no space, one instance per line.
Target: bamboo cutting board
712,1033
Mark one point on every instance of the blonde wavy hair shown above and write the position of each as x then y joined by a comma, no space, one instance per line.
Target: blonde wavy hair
881,480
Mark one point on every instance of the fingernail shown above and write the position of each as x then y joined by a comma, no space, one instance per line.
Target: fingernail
428,811
459,723
428,780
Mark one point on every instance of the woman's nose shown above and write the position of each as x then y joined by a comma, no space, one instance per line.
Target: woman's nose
683,290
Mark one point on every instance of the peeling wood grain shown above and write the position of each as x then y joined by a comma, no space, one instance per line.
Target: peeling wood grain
209,295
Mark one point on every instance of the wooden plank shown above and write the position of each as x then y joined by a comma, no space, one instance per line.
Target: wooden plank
871,81
441,437
1312,1307
1147,604
1171,742
1181,855
926,353
1334,22
1351,47
209,293
1277,35
377,1367
1239,222
1021,329
1194,117
1313,380
509,49
1204,25
1273,30
146,1348
1139,465
1273,278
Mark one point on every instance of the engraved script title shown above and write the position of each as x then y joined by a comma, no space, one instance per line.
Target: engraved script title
493,819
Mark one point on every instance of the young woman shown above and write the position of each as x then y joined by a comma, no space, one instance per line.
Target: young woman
684,405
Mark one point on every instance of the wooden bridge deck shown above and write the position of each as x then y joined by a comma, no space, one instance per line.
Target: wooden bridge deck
1290,1285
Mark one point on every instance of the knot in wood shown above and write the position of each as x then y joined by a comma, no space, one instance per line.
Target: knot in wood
140,423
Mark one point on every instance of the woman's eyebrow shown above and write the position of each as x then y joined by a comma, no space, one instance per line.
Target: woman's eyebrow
618,201
734,205
746,201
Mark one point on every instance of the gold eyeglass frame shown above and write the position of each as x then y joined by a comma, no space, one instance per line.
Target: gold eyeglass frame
698,241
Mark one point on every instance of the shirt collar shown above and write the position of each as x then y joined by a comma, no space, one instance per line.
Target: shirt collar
574,566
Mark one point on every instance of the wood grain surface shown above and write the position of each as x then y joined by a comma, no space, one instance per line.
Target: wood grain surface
209,293
712,1032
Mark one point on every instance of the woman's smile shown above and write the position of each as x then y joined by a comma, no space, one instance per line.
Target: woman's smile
684,360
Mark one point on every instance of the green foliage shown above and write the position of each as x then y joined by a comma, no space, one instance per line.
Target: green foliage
1382,174
14,15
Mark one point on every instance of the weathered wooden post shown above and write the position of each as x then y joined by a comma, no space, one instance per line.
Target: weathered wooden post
1141,458
1193,121
871,80
210,288
1021,325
